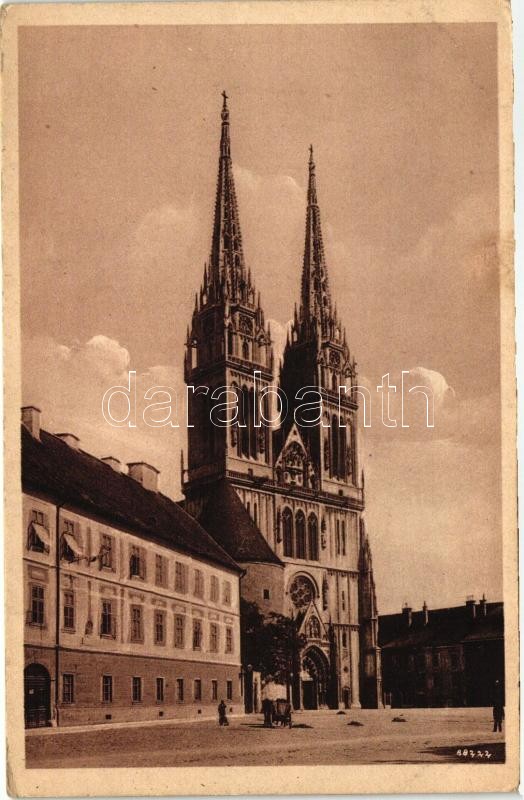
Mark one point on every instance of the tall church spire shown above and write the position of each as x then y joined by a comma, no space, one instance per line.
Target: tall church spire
315,306
227,272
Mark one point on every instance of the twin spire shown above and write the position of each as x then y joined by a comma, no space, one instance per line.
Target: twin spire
226,266
227,275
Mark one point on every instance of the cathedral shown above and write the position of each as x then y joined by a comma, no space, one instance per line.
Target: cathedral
285,501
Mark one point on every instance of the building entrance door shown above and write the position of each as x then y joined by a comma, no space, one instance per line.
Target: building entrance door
37,696
315,670
309,694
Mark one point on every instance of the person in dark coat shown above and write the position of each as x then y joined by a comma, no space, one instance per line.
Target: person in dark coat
222,717
498,707
267,709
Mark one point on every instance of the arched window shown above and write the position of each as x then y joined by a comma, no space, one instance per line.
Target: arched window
334,443
251,426
313,537
287,529
343,538
338,537
300,523
342,450
255,512
245,350
230,340
243,413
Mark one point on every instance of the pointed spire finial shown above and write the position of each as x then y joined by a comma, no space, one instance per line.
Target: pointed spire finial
311,162
225,110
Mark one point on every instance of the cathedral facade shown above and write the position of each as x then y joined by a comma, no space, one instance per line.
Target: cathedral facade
285,501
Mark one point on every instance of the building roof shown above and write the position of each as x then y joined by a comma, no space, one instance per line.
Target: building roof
72,476
445,626
225,517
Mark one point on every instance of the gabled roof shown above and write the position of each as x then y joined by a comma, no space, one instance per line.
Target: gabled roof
445,626
226,519
74,477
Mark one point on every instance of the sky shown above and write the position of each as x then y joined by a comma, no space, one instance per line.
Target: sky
119,132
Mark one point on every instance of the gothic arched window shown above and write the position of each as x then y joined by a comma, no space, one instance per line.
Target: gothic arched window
243,414
245,350
251,425
334,442
287,528
313,537
300,523
342,450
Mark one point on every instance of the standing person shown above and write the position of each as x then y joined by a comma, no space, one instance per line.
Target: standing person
267,708
222,717
498,707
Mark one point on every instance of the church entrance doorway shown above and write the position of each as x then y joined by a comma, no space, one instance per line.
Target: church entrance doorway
37,696
315,674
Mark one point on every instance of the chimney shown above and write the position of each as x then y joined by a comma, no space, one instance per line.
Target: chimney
144,474
112,462
31,420
406,614
483,606
425,613
470,604
70,439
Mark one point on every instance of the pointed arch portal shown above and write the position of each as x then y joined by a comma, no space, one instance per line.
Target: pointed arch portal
314,678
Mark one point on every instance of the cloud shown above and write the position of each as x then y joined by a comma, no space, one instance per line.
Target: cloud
68,384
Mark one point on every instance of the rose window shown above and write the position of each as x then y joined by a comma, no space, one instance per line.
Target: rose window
302,591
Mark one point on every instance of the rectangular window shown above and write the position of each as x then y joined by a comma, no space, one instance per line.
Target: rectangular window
160,627
160,690
37,613
213,595
343,601
107,619
137,562
180,626
197,689
338,537
68,688
107,688
197,634
106,551
343,538
213,637
214,690
38,539
71,541
137,627
198,589
229,640
266,594
229,690
180,577
69,611
160,570
137,690
227,593
180,690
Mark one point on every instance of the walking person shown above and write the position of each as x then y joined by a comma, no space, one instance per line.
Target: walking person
222,716
498,707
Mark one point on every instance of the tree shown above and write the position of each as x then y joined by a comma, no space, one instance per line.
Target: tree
271,643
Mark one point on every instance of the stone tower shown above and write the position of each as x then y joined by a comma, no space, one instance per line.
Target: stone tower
286,503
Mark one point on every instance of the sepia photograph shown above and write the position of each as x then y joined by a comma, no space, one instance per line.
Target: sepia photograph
260,432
